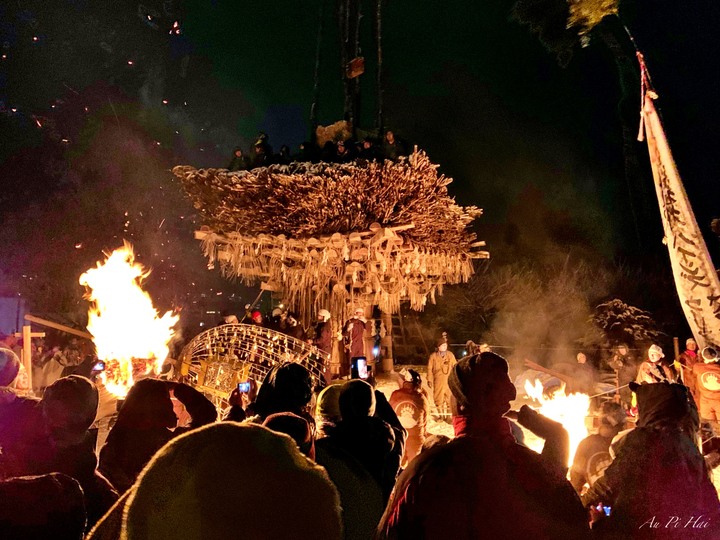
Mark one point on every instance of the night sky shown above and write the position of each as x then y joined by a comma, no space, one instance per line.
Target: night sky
176,82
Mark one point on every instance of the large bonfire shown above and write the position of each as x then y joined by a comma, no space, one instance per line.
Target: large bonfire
129,334
333,235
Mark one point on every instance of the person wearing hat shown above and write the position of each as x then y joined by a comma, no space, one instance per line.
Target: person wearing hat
257,319
483,484
654,370
412,408
687,359
228,480
354,337
439,365
658,476
706,381
592,456
238,161
261,152
323,339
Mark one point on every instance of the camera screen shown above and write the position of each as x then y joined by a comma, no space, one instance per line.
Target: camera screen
244,387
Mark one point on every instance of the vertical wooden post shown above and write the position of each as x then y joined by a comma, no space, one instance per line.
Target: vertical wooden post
386,344
26,356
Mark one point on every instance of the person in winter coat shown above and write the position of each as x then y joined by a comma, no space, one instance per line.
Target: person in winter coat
706,381
144,424
482,484
360,494
412,408
224,481
19,419
68,410
287,387
323,332
361,434
440,364
592,455
354,338
625,365
687,359
42,507
658,477
654,369
238,161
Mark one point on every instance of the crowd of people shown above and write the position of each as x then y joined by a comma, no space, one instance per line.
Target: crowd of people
296,457
336,151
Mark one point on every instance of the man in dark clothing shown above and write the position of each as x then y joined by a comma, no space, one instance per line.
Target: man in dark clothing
368,431
145,423
625,366
482,484
262,152
323,332
354,337
43,507
18,415
592,456
393,147
323,339
287,387
238,162
658,473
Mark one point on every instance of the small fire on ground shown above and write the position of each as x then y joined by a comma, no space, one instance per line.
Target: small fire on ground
569,410
129,335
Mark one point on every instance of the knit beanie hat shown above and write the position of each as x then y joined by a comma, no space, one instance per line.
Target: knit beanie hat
328,404
472,375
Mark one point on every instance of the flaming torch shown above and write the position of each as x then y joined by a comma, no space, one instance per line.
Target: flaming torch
129,335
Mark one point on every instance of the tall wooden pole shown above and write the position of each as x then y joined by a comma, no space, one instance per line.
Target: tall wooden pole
316,76
379,89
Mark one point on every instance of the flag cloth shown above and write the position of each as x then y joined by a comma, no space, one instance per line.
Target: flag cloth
695,276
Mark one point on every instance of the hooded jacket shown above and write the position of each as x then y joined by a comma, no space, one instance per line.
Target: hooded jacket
254,484
658,472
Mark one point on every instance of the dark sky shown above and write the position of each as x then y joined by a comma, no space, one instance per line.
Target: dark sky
474,89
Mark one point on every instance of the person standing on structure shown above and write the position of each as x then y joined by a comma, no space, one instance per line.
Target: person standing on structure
354,339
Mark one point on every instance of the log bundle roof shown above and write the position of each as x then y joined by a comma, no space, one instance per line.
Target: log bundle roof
337,235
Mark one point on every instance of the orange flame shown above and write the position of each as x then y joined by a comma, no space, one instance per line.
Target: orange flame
128,334
570,410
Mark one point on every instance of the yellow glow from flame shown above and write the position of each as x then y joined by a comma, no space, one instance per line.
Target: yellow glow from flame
128,333
570,410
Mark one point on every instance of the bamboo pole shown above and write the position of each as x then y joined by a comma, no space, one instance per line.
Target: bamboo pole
58,326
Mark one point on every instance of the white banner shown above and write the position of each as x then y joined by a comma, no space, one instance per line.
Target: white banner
695,276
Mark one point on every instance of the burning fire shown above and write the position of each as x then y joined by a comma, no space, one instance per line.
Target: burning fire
128,334
570,410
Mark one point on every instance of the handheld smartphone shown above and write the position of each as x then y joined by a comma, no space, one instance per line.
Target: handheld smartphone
244,387
99,366
362,368
605,509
